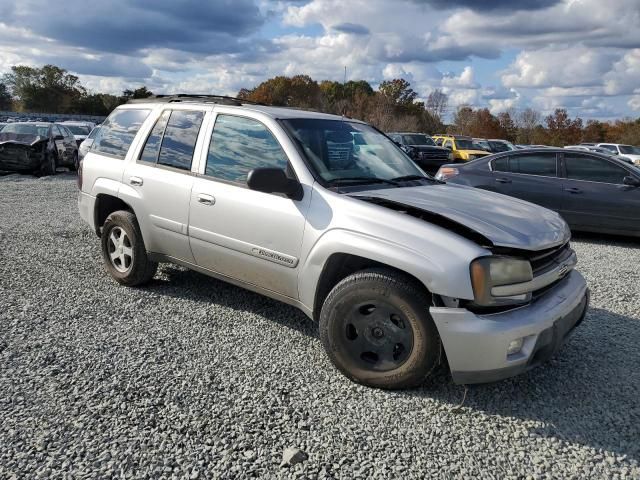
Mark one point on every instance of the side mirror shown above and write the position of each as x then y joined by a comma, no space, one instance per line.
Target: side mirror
58,137
274,180
631,181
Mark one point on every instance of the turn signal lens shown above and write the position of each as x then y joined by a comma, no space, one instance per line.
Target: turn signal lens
446,173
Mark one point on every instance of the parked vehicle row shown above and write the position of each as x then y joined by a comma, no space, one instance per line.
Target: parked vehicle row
327,214
423,150
37,148
592,191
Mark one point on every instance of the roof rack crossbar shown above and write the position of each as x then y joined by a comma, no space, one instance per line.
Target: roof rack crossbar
180,97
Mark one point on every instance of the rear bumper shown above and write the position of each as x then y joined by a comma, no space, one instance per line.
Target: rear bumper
476,345
86,207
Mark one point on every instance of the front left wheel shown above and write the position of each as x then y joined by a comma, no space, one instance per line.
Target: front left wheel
123,250
376,328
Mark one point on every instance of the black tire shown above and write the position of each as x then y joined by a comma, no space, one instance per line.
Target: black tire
348,325
76,163
49,165
139,269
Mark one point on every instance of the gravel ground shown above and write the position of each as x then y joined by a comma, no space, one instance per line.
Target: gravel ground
192,378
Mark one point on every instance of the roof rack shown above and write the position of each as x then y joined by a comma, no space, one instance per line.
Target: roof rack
186,97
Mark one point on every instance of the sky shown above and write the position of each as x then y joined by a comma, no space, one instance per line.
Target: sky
582,55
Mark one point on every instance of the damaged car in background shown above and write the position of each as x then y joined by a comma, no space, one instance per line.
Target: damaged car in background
37,148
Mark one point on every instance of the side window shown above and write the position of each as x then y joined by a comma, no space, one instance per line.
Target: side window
179,139
447,144
152,146
593,169
56,131
501,164
611,148
238,145
535,164
118,131
66,132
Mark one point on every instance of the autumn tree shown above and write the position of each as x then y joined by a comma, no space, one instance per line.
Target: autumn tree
562,130
298,91
508,128
526,122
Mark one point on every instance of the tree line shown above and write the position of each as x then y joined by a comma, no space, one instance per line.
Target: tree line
393,106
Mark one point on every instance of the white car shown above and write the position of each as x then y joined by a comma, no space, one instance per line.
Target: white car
627,151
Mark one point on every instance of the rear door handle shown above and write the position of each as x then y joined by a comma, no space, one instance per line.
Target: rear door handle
137,181
573,190
205,199
503,180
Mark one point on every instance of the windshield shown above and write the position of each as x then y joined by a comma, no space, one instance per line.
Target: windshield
629,150
463,144
501,146
78,129
27,129
481,145
342,150
418,140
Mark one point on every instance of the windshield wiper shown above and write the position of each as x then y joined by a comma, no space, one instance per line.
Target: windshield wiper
362,180
406,178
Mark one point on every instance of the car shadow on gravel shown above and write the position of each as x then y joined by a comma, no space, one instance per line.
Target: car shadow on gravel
182,283
607,239
588,394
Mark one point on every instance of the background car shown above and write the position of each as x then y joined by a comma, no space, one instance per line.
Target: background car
628,151
80,130
461,146
422,150
85,146
2,124
593,192
34,147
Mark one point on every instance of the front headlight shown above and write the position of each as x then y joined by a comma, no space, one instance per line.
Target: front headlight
489,272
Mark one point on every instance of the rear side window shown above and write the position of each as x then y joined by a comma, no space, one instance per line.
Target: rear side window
535,164
501,164
118,131
179,139
592,169
238,145
152,146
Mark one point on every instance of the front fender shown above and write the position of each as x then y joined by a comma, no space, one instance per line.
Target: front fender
446,276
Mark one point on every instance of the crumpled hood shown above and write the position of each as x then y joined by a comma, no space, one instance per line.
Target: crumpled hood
505,221
21,138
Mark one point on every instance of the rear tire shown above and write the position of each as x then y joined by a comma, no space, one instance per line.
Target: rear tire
376,328
123,250
74,167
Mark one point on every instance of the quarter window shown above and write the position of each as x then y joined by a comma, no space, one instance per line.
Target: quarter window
118,131
593,169
179,141
152,147
239,145
535,164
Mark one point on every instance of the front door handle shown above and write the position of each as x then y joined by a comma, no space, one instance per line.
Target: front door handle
205,199
503,180
573,190
136,181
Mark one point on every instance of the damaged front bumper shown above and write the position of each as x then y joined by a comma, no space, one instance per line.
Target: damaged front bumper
477,346
20,157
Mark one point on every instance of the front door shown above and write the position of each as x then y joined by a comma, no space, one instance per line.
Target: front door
595,196
250,236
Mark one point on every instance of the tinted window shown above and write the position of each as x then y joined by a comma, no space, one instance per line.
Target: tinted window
117,132
238,145
499,147
179,139
464,144
152,146
417,140
501,165
593,169
535,164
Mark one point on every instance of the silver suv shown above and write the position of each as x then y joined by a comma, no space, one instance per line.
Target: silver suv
328,214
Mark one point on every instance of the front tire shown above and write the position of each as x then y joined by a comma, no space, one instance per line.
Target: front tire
49,165
123,250
376,328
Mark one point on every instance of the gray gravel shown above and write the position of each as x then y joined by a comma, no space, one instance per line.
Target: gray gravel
193,378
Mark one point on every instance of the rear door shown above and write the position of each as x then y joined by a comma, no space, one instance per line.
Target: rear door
595,196
251,236
161,180
532,177
61,147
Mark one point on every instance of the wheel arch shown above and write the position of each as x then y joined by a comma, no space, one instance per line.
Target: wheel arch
105,205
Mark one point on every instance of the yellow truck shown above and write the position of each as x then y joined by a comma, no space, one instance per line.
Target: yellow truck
462,147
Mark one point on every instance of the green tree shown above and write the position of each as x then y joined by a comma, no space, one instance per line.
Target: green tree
6,101
48,89
141,92
298,91
399,91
